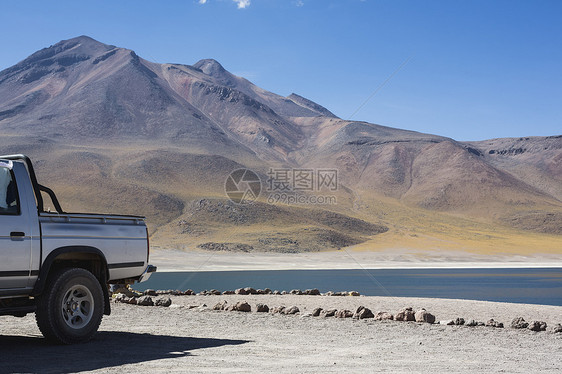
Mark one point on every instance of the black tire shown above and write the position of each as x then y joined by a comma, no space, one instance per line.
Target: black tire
78,320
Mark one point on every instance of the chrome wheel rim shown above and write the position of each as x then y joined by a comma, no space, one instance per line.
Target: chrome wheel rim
77,307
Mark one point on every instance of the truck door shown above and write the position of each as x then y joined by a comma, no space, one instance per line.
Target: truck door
15,239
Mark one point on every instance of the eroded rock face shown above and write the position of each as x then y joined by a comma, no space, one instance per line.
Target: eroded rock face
519,323
405,314
424,316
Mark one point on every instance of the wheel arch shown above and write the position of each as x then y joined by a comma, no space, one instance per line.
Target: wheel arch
85,257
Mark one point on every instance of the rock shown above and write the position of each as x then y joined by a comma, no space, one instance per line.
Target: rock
260,292
145,301
163,301
250,291
188,292
277,310
243,306
316,312
215,292
471,323
492,323
328,313
268,291
447,322
150,293
519,323
241,291
306,315
537,326
221,306
228,293
312,292
556,329
405,314
283,292
344,314
354,293
262,308
296,292
459,321
362,313
424,316
382,316
276,292
291,310
120,298
329,293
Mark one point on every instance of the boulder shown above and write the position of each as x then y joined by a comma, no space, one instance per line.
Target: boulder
120,298
471,323
163,301
556,329
291,310
243,306
188,292
328,313
267,291
424,316
296,292
405,314
362,313
537,326
221,306
262,308
312,292
228,293
492,323
145,301
459,321
519,323
277,310
344,314
353,293
316,312
276,292
250,291
382,316
241,291
150,293
283,292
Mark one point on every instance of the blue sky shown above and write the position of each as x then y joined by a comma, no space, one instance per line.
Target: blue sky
476,69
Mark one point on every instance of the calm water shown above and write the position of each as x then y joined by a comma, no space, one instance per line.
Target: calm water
531,286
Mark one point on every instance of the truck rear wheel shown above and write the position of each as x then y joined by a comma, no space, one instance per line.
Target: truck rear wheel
71,308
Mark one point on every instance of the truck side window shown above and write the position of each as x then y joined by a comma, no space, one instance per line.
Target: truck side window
8,193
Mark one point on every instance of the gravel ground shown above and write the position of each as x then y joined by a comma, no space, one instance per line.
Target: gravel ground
179,339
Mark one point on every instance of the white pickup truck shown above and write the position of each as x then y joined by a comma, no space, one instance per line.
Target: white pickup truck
59,265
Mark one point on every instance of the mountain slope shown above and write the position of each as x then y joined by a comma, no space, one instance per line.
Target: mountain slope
111,131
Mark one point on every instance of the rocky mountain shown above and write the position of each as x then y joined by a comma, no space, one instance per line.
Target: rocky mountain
114,132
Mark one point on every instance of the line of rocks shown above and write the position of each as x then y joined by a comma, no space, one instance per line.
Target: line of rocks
251,291
404,314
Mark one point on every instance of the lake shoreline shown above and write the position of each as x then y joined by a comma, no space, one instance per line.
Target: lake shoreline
170,260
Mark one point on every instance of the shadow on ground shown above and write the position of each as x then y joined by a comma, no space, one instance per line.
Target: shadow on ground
107,349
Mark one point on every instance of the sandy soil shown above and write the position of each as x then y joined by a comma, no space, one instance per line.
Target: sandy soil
194,260
178,339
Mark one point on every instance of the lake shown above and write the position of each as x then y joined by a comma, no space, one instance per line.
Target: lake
515,285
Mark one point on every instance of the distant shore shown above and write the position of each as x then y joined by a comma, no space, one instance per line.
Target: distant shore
196,260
